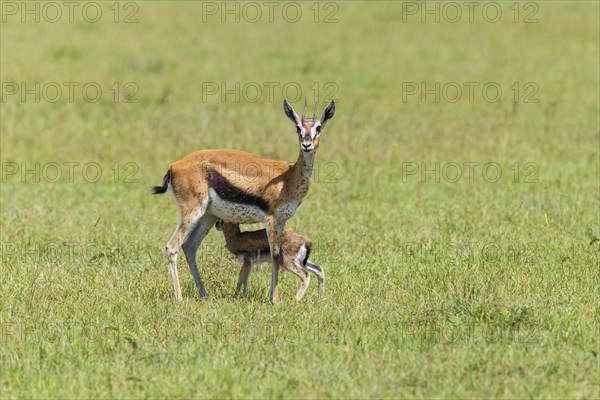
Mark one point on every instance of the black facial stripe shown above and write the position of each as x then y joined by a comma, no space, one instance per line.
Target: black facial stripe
227,191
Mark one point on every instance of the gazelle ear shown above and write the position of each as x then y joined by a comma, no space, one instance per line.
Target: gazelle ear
328,113
291,114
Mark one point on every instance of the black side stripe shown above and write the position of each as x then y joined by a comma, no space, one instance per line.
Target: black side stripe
227,191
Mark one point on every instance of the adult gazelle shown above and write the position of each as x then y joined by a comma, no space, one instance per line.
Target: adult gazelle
241,188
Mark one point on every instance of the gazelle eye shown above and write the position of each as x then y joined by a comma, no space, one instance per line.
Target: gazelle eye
298,130
319,128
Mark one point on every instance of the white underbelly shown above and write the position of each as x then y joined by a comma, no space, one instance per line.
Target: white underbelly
229,211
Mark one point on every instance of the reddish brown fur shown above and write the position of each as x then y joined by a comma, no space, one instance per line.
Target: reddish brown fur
277,185
250,246
274,181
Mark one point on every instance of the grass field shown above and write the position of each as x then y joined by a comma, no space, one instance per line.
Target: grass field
454,206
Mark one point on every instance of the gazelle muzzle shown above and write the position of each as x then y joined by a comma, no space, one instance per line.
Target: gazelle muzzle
307,143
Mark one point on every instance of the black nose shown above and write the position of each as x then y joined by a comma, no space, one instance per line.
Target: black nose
306,145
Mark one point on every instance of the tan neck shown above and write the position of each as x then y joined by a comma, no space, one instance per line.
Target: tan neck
303,168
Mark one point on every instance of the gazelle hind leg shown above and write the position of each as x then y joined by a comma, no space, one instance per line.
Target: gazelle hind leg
172,250
186,226
190,247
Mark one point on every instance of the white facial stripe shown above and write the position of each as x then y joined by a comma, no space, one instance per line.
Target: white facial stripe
313,130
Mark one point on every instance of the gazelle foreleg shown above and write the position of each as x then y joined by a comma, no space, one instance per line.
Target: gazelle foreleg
275,249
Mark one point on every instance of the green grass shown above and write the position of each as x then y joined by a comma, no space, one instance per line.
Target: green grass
433,289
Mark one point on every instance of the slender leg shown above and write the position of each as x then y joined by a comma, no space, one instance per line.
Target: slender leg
295,268
189,220
246,279
190,247
318,271
275,257
303,286
280,228
242,279
172,250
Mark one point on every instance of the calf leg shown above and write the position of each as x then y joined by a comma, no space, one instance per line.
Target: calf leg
243,277
291,264
304,276
318,271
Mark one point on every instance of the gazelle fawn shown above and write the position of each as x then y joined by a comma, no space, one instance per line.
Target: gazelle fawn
253,247
240,188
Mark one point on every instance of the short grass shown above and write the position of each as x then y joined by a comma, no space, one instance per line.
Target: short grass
474,286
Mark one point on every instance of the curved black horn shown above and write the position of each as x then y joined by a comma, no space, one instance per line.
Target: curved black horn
305,104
